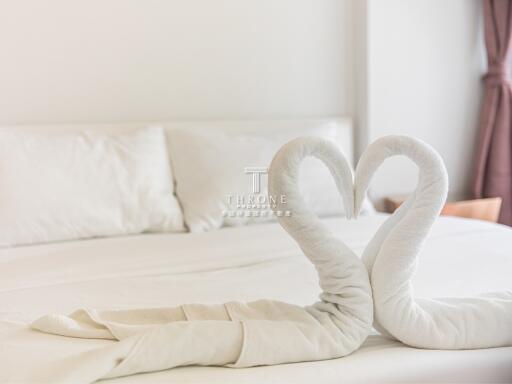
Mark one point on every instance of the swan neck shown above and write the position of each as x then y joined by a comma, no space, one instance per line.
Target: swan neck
284,173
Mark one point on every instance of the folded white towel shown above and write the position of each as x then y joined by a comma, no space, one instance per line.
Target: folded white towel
392,255
237,334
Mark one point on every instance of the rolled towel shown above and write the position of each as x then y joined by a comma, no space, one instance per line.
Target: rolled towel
391,258
239,334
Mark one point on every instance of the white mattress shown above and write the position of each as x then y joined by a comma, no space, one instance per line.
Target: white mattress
462,257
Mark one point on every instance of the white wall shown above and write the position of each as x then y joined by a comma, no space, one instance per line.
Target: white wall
424,64
119,60
396,66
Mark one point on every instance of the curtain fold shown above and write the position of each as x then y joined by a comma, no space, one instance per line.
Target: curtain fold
493,174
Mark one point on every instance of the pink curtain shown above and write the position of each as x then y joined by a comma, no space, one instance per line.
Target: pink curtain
494,153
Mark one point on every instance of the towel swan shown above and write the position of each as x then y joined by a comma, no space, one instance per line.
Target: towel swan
391,257
239,334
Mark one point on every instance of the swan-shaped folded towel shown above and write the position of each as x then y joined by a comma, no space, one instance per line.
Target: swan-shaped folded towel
239,334
391,258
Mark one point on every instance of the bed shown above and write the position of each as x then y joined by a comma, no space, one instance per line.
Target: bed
462,257
244,263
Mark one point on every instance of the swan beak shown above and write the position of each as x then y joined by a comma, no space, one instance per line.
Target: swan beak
357,207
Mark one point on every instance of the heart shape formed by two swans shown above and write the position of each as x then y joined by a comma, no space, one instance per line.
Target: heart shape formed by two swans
268,332
391,255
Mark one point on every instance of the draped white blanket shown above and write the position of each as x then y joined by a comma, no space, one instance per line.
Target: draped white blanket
238,334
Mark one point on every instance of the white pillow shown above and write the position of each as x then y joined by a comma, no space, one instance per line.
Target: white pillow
214,189
79,185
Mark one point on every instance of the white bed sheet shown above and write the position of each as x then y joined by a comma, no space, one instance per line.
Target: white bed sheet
245,263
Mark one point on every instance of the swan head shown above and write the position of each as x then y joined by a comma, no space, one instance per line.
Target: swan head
428,160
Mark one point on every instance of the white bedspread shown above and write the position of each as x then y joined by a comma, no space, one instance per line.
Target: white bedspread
246,263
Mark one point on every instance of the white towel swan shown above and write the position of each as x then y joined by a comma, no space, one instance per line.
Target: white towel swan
391,257
238,334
